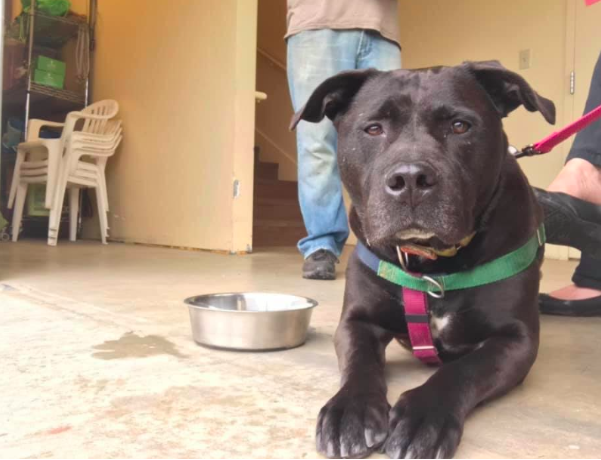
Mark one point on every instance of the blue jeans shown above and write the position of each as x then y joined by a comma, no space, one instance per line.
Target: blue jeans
313,56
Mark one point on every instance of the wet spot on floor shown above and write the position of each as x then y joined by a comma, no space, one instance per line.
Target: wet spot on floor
131,345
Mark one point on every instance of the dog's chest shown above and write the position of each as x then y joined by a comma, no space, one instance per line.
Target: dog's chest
447,334
438,324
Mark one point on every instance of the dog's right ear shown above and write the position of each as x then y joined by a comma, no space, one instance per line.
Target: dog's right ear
332,97
508,90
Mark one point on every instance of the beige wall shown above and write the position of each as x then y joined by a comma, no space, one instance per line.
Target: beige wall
277,143
439,32
184,76
272,28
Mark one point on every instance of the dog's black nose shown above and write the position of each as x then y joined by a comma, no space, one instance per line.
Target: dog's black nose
411,181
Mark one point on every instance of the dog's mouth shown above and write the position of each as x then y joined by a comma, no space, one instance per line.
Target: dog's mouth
427,244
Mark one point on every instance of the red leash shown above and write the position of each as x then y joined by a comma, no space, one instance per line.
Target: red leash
549,142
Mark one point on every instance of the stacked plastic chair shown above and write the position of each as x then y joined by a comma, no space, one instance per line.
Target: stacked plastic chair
77,160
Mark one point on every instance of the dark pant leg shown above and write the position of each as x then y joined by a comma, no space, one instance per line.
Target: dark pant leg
587,146
588,273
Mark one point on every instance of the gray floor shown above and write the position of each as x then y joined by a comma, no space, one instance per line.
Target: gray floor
97,361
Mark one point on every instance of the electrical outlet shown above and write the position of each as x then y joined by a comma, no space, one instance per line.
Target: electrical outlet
524,59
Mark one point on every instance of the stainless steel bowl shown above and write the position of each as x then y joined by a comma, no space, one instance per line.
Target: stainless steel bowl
250,320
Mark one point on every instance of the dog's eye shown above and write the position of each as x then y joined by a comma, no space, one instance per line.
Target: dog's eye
460,127
374,130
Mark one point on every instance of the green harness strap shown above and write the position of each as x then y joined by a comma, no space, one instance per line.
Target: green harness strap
496,270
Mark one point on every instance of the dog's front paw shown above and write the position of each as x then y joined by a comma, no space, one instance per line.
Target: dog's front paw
352,424
423,426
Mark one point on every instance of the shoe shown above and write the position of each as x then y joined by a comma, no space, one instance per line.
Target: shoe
321,265
570,221
585,307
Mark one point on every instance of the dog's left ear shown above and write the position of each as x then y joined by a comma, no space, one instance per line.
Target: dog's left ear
508,90
332,97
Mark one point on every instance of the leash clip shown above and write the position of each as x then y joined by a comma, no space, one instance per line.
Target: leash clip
527,151
438,293
437,285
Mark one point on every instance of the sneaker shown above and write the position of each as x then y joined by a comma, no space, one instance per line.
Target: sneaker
321,265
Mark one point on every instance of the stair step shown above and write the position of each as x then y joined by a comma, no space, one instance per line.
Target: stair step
277,216
277,236
279,223
277,210
280,189
274,201
266,171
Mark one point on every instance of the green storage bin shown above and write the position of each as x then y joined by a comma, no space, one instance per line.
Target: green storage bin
49,79
51,7
51,65
36,195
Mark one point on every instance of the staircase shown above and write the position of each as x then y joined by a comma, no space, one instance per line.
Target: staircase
277,217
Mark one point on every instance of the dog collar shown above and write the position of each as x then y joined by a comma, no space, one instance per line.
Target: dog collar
417,287
436,285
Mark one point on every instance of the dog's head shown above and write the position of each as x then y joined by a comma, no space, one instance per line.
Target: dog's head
421,151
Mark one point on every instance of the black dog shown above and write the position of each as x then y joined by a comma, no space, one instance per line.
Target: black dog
425,160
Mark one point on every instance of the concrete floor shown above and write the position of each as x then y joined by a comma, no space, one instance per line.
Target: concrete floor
97,361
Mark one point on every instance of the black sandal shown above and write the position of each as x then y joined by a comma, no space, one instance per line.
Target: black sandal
553,306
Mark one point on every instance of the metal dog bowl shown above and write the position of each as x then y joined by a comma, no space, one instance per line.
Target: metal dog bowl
250,320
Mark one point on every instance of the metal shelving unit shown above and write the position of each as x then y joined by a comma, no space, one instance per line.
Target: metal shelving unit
41,92
42,34
52,31
63,94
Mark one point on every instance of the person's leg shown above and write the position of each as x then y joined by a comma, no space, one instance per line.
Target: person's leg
581,177
313,56
378,53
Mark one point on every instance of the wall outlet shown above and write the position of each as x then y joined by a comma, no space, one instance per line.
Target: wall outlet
524,58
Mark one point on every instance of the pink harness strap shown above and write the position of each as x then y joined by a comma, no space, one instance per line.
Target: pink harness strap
547,144
418,324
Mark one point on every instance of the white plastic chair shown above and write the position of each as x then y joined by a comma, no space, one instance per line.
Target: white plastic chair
30,168
33,145
83,166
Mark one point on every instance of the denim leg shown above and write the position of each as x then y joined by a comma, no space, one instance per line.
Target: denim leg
313,56
378,53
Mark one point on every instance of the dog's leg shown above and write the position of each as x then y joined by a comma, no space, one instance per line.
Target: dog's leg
355,421
427,422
